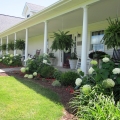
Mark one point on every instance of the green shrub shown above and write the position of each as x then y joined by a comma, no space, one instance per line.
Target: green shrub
11,60
56,83
47,71
68,78
57,74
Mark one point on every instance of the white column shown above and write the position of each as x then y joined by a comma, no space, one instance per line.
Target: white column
84,40
45,37
14,44
1,45
7,45
26,45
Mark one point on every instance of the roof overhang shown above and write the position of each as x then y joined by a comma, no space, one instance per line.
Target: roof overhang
70,12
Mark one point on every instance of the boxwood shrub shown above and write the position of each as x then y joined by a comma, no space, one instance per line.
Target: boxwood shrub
68,78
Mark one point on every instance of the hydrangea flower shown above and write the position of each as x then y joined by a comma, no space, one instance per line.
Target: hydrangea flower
26,75
116,71
23,70
90,71
78,82
93,62
86,89
78,70
105,59
16,55
35,74
3,58
11,55
10,61
30,76
0,60
108,83
45,61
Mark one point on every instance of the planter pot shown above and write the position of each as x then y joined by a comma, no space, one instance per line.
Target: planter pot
72,63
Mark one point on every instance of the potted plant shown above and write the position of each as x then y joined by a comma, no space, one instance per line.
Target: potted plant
111,36
73,60
62,41
20,44
11,46
52,58
3,47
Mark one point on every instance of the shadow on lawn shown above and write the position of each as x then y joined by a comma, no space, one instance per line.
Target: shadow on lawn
40,89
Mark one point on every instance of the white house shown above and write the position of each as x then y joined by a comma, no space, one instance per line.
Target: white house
85,19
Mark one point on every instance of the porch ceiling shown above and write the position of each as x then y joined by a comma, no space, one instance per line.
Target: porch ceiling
97,12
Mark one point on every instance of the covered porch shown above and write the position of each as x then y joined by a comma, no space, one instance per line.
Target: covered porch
80,17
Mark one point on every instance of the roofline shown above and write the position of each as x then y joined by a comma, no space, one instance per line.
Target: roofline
44,11
12,16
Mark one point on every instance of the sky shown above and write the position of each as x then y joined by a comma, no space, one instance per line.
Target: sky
15,7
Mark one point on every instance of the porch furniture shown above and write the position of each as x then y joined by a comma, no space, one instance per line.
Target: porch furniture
36,54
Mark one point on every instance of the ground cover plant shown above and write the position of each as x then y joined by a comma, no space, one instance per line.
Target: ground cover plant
26,100
98,93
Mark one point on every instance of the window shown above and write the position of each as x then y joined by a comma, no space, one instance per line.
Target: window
96,40
28,15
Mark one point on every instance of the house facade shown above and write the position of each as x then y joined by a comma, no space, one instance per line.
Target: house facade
85,19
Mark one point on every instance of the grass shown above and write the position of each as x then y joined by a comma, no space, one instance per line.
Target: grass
25,100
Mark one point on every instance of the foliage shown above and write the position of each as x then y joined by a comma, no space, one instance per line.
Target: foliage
68,78
20,44
47,71
111,36
38,65
10,46
57,74
56,83
73,56
4,47
61,41
27,100
51,55
11,60
99,81
95,106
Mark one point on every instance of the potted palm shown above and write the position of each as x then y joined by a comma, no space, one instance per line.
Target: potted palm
73,60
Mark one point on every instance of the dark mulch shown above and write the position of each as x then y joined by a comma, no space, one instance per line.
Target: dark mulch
64,92
4,66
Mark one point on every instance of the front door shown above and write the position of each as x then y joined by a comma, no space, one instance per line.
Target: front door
66,60
66,57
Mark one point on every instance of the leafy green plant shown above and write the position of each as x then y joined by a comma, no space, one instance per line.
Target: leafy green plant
68,78
11,60
57,74
61,41
4,47
95,106
47,71
10,46
111,36
20,44
73,56
56,83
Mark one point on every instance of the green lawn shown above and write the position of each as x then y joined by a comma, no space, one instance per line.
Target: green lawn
26,100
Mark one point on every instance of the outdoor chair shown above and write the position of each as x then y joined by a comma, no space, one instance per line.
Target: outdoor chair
36,54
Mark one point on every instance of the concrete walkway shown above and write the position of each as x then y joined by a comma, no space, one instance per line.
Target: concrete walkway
9,69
